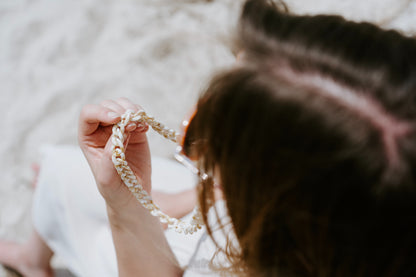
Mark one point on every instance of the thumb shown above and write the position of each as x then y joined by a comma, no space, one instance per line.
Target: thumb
93,115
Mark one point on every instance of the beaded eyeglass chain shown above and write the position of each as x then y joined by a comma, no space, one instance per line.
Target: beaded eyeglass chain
130,180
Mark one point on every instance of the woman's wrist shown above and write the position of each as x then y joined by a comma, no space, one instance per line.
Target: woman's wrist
128,216
141,245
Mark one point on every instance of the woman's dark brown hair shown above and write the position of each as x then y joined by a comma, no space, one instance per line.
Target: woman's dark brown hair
313,137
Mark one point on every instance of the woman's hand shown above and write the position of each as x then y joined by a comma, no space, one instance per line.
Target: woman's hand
95,129
140,243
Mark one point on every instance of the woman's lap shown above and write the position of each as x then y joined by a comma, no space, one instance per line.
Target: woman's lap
70,214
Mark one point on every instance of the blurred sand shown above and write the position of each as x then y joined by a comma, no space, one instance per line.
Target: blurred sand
56,56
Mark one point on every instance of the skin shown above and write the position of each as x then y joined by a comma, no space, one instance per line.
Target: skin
140,244
136,234
143,240
33,256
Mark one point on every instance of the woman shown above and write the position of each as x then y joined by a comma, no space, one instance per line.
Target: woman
311,139
310,136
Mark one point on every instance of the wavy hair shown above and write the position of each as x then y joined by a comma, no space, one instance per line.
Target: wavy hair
312,135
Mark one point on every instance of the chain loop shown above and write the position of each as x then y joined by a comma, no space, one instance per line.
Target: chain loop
130,180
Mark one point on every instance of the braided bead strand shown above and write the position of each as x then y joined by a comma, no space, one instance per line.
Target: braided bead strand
130,180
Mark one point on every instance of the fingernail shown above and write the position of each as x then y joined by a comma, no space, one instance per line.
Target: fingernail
142,128
113,115
131,127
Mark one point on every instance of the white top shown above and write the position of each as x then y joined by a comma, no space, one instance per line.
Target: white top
70,214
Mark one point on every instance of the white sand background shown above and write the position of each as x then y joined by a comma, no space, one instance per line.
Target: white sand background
56,56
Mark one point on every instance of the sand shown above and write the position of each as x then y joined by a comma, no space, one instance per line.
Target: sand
56,56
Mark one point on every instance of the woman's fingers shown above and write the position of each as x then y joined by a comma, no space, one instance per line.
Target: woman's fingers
107,113
93,115
127,104
111,104
120,106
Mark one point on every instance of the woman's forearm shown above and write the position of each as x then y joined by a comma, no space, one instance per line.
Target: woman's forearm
141,246
176,204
